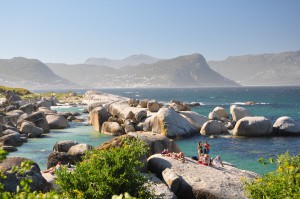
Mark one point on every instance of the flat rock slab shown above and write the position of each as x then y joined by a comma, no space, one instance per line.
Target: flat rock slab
200,181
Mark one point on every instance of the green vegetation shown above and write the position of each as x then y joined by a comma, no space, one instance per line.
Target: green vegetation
60,96
19,91
107,172
282,183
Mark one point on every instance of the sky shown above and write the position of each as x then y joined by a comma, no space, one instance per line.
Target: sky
70,31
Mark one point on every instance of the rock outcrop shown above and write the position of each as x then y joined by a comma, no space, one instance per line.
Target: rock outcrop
171,124
200,181
13,179
238,113
253,126
286,126
213,127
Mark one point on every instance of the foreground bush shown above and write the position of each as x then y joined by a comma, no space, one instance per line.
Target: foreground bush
104,173
282,183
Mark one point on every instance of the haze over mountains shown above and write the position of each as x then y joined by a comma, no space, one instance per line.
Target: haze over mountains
278,69
29,73
132,60
183,71
145,71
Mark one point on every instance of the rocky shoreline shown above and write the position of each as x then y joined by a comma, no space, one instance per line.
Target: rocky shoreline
145,119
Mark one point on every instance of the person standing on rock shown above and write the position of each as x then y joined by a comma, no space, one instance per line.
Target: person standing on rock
207,147
200,149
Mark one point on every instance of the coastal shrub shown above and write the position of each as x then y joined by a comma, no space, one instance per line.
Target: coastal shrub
107,172
19,91
282,183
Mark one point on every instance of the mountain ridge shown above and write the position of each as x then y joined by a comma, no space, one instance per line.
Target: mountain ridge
182,71
29,73
277,69
132,60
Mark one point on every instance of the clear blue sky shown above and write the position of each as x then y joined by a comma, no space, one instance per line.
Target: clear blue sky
71,31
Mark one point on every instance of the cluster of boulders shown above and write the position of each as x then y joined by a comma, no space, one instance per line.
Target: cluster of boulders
21,119
241,122
117,115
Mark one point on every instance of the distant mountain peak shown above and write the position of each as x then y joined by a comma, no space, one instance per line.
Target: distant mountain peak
132,60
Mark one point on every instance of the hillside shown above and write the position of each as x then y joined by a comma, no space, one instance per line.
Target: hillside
87,76
132,60
184,71
261,70
30,74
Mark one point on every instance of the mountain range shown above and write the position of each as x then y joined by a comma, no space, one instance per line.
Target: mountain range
29,73
132,60
184,71
146,71
278,69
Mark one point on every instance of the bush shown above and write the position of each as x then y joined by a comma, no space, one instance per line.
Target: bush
19,91
107,172
282,183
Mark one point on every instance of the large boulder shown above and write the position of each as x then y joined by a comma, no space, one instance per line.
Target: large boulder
13,179
64,146
171,124
3,120
38,118
153,106
213,127
238,113
44,103
57,122
78,150
13,139
112,128
98,116
179,106
221,112
28,108
194,118
91,106
11,97
28,128
156,142
13,117
286,126
200,181
122,110
54,157
253,126
115,142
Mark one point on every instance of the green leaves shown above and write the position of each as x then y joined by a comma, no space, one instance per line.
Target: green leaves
104,173
282,183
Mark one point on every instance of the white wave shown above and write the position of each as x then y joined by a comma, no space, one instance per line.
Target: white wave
58,107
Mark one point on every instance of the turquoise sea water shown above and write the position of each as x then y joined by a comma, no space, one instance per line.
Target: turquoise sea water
271,102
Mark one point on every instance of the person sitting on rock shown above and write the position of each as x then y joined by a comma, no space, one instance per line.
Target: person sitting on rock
218,162
206,160
51,170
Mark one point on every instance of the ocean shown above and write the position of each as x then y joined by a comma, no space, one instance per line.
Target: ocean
271,102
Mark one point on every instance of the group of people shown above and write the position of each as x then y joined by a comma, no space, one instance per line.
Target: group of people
204,158
203,155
